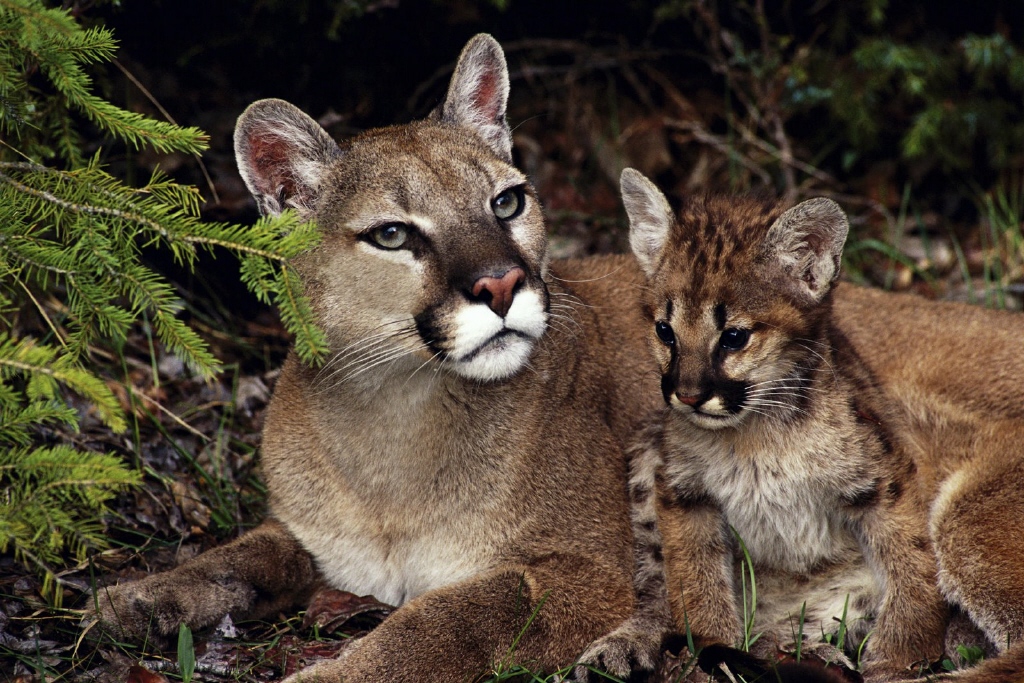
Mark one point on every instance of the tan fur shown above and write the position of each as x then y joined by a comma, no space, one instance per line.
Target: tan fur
885,431
472,476
960,391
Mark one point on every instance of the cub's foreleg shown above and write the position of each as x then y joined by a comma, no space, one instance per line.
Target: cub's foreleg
909,631
263,571
540,615
698,563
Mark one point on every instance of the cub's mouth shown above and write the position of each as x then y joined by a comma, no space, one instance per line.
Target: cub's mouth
710,412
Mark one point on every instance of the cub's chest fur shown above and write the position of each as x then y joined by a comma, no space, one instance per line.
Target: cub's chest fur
784,490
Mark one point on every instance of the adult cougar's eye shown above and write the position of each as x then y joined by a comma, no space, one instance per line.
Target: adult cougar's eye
665,333
508,204
390,236
734,339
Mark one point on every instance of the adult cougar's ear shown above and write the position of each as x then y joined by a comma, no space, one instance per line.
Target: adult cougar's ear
478,94
807,242
650,218
282,154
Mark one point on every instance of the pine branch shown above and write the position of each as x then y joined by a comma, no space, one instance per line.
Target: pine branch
45,368
75,236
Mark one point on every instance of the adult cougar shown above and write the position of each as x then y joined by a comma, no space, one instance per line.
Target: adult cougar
459,454
864,450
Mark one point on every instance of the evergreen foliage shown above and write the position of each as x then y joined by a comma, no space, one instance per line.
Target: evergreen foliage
72,276
852,85
954,100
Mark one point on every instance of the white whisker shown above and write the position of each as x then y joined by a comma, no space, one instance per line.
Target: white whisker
366,356
424,364
398,353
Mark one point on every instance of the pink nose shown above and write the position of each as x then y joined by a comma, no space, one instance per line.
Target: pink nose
688,400
497,292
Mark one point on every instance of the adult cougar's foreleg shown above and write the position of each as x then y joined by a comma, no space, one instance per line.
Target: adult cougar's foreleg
540,615
634,647
263,571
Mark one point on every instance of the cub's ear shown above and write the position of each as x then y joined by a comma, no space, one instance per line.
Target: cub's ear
650,218
282,155
807,242
478,94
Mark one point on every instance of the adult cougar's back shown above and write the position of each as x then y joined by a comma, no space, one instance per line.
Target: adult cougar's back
459,452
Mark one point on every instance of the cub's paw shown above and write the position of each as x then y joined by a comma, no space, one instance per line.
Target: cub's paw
152,609
630,652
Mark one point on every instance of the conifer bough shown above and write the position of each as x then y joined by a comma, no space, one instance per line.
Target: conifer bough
71,237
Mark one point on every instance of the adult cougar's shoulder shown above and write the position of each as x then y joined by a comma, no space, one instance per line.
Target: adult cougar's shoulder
459,453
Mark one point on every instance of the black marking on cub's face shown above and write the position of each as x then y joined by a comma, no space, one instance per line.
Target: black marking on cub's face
720,316
733,394
669,380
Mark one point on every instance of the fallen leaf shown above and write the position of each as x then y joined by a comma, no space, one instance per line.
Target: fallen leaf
293,654
331,609
140,674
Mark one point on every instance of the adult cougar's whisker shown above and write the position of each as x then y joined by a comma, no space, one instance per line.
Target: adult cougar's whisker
363,356
358,345
399,353
423,365
593,279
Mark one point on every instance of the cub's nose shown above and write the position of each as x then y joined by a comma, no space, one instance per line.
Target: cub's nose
687,400
497,292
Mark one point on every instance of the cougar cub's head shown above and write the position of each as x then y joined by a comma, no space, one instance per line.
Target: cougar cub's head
737,298
433,243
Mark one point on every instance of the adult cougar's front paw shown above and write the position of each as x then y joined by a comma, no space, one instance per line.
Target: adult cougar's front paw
632,648
152,609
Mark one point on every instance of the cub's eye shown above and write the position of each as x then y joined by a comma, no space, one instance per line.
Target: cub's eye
508,204
734,339
390,236
665,333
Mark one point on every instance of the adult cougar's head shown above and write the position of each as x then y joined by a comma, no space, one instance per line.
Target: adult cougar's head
433,247
737,298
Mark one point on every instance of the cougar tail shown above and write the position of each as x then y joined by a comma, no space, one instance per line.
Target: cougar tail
1006,668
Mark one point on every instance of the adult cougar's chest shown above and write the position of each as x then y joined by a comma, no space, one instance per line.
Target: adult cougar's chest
400,499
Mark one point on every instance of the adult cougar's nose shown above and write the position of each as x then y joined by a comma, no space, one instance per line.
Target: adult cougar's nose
497,292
